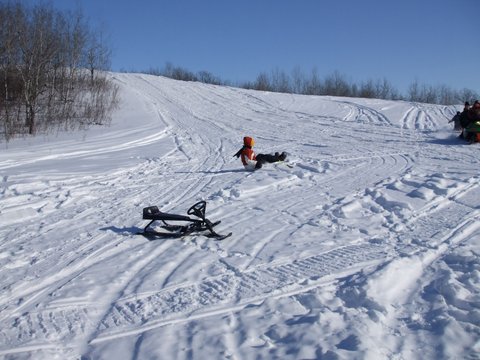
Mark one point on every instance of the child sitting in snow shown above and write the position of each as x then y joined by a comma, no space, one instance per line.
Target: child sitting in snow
252,161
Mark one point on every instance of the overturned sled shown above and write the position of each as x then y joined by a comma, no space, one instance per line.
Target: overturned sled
184,225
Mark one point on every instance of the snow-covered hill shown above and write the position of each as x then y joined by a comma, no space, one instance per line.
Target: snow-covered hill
368,248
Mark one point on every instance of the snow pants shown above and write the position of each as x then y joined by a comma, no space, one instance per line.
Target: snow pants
266,158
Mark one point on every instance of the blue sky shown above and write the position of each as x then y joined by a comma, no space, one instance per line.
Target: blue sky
432,41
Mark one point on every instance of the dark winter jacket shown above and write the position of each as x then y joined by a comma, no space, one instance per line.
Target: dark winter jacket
464,119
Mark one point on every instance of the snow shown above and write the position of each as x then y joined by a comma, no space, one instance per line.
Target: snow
366,249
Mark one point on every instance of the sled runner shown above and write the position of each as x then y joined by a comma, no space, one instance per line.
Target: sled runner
190,225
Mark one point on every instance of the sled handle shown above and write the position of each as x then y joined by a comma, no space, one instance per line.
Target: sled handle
198,209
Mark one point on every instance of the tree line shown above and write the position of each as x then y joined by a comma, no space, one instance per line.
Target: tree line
52,71
53,75
334,84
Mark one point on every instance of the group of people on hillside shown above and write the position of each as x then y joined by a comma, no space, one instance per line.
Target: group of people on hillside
468,122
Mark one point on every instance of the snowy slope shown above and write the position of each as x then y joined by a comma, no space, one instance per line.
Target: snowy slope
366,249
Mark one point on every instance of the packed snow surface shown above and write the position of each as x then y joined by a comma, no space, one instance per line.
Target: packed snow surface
367,248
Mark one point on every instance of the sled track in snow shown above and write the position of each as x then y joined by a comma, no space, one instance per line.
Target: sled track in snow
225,293
232,291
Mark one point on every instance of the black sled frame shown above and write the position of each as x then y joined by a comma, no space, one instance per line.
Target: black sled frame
191,225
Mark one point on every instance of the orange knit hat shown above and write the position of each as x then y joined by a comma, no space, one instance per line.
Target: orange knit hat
248,141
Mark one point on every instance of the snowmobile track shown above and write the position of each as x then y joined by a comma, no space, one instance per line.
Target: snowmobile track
228,292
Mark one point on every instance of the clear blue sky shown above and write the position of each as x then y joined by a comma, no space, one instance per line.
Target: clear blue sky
432,41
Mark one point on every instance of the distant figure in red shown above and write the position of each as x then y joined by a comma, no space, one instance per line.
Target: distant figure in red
251,161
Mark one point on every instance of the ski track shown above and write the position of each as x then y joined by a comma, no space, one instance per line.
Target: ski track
332,197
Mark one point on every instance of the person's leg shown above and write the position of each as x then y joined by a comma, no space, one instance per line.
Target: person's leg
270,158
266,158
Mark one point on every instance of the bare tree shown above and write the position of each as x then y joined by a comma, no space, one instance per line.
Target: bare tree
208,78
446,96
43,57
367,90
280,82
9,55
414,91
466,95
98,54
336,84
314,85
385,90
262,83
298,81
